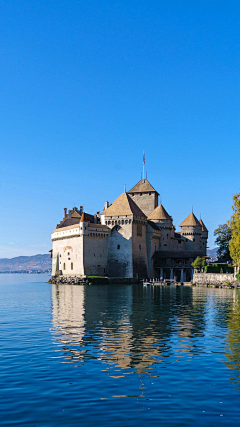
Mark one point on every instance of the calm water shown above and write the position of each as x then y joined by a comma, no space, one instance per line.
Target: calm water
118,355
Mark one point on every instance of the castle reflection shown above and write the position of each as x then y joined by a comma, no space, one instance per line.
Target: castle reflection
127,326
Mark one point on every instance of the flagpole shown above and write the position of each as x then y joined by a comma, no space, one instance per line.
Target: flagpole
143,164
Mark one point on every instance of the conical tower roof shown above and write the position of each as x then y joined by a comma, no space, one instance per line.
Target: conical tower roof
143,186
123,205
83,219
191,221
159,213
204,228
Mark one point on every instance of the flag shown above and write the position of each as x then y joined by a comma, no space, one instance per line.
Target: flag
143,158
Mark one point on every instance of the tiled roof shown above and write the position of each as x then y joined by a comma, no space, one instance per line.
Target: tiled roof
75,214
68,221
83,219
159,213
143,186
123,205
204,228
191,221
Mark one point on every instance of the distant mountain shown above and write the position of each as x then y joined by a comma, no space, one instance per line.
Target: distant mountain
26,264
212,252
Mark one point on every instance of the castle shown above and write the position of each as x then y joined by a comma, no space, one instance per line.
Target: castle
134,237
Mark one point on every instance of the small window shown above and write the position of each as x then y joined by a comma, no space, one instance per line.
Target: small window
93,254
64,266
165,244
71,265
68,253
60,256
179,242
118,246
140,194
69,259
140,247
150,194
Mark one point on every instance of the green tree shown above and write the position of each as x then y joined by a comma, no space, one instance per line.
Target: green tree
198,263
224,235
234,244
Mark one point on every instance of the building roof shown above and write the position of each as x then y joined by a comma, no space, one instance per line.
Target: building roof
67,222
159,213
204,228
143,186
75,214
190,221
176,254
123,205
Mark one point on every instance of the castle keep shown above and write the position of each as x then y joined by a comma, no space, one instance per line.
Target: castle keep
134,237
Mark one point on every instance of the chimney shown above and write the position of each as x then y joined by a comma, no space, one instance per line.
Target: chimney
70,214
106,205
65,212
95,219
81,209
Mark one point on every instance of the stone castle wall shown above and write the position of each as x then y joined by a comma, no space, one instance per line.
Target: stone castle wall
147,202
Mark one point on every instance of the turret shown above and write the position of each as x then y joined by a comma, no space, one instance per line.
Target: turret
83,225
191,229
204,237
164,222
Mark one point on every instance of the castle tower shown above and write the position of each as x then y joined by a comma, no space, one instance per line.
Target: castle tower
204,237
191,229
164,222
145,196
127,253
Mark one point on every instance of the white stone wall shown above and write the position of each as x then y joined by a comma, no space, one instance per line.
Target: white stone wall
70,255
95,254
213,278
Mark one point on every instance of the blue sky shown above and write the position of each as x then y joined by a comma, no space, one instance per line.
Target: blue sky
86,86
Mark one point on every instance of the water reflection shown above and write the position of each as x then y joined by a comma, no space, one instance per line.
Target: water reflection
131,327
68,318
232,338
128,326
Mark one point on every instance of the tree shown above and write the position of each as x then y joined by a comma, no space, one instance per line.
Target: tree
234,244
198,263
224,235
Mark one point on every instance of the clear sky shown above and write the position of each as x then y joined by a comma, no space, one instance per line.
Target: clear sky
86,86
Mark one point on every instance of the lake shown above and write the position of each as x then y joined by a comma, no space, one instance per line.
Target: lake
114,355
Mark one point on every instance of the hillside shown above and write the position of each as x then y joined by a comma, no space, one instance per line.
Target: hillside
212,252
26,264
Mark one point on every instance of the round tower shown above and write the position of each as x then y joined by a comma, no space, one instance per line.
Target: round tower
204,236
83,225
191,230
164,222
